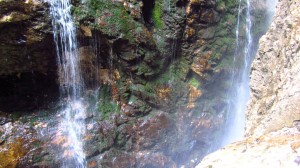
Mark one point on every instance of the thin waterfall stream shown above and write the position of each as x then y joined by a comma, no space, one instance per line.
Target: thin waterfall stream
239,92
71,84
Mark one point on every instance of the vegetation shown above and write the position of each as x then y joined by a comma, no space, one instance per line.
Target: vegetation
111,18
228,4
106,104
194,82
157,14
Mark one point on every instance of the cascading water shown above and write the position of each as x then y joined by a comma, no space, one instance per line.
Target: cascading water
71,85
246,45
239,93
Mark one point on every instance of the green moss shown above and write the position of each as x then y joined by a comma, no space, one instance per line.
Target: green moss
132,99
157,14
106,105
111,18
148,89
230,19
172,78
228,3
143,69
222,47
103,144
194,82
175,73
220,5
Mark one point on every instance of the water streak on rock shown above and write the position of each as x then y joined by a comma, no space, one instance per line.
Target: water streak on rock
71,85
239,92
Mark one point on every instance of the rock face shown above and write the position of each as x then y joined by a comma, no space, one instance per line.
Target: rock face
272,128
275,88
276,149
27,62
163,69
24,27
141,53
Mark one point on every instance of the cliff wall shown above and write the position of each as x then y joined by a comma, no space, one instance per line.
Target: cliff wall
272,130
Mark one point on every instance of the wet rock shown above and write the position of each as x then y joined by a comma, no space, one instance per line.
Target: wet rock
201,63
119,159
146,159
135,108
100,138
4,118
194,94
86,31
89,68
113,159
152,131
20,143
209,16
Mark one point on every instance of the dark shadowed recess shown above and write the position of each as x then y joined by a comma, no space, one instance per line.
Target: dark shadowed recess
147,10
28,91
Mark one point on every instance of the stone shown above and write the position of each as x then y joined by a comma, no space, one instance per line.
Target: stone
28,58
151,131
146,159
201,63
276,149
275,98
86,31
194,94
25,25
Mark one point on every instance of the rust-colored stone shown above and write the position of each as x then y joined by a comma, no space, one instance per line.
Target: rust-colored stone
163,93
201,63
92,164
194,94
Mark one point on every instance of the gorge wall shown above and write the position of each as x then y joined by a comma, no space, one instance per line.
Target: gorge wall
162,67
272,130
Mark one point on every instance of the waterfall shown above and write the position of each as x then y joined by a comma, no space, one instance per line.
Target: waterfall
73,108
239,92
